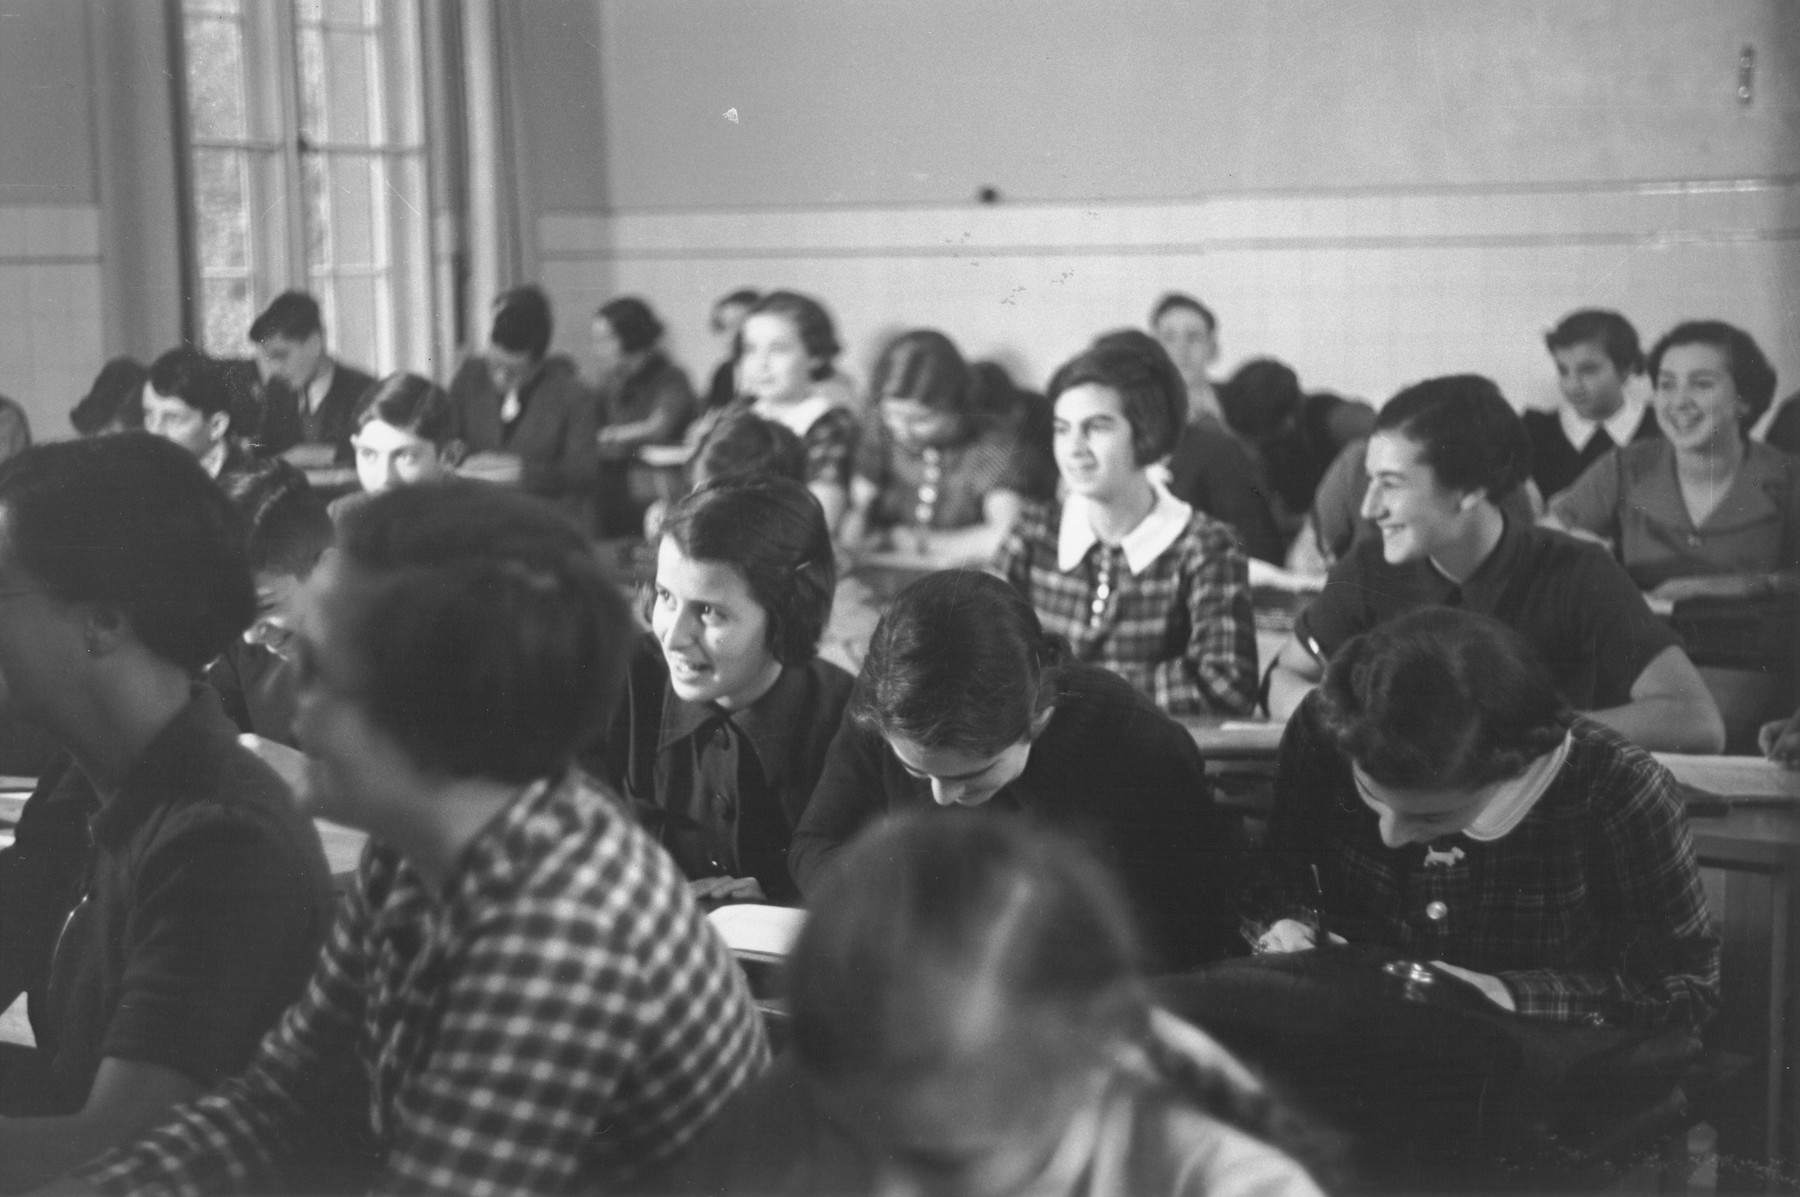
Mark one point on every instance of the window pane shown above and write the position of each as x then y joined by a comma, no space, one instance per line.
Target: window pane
351,12
215,70
227,7
225,313
309,12
313,85
357,337
353,199
222,209
400,92
347,55
318,209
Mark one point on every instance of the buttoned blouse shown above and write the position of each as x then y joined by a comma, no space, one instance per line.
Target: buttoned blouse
1634,498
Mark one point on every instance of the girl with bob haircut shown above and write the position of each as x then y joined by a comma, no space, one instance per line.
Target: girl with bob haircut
963,700
958,451
785,373
728,709
969,1017
1135,579
644,399
1703,513
1436,796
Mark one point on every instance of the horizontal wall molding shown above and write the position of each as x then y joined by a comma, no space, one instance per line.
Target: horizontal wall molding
1719,212
49,234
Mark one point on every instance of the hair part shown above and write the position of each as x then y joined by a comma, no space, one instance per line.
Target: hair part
959,660
286,526
292,315
522,321
114,401
410,403
1751,372
1441,697
133,523
632,322
743,444
812,324
923,366
187,374
1133,365
1174,300
1614,334
773,532
934,932
1466,432
494,642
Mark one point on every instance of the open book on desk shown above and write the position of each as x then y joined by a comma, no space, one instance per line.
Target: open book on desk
750,929
1739,780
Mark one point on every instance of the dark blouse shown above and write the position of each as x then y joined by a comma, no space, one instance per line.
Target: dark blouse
723,792
1110,768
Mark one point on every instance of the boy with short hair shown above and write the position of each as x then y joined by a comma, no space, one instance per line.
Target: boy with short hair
188,400
1597,355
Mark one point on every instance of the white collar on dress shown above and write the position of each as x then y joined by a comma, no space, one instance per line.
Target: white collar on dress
320,386
1622,425
1153,535
1514,797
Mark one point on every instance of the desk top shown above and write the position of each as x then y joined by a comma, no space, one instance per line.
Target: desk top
1236,739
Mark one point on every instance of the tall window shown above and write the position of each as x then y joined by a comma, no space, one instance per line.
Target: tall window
307,138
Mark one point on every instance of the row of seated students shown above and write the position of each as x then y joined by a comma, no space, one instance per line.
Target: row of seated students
519,991
964,700
950,455
1081,517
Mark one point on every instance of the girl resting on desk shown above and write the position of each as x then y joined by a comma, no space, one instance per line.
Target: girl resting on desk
728,709
785,369
1135,579
1436,796
1705,513
969,1018
964,701
958,452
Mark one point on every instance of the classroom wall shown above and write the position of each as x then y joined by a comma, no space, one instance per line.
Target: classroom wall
1374,192
88,265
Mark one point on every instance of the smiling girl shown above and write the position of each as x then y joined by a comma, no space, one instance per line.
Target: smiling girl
788,346
964,701
728,710
1134,578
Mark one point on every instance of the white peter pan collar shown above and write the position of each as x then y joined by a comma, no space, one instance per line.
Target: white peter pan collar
1153,535
1514,797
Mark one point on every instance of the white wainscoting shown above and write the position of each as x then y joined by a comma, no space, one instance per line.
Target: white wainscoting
50,310
1361,292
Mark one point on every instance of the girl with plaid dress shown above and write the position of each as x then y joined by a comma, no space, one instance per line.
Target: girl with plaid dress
957,452
1135,579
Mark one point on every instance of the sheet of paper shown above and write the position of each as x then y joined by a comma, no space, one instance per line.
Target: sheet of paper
758,930
1736,777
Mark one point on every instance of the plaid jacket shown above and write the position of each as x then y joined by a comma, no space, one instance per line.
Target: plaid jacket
1591,909
560,1017
1182,630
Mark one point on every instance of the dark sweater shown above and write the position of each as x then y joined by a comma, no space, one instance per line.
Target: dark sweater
1109,768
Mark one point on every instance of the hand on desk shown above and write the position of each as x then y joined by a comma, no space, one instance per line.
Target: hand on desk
1291,935
1780,741
1492,988
504,469
719,890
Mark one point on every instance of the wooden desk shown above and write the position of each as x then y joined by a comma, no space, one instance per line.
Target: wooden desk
1750,858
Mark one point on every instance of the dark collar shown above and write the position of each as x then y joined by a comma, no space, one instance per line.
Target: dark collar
1480,590
771,723
178,762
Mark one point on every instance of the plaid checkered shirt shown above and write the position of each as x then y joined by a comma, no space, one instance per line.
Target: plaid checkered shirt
562,1016
1590,910
1181,628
